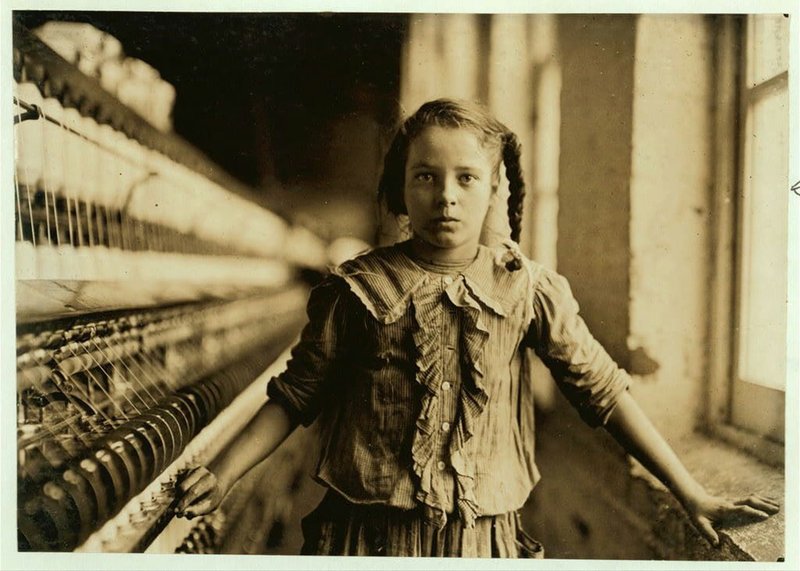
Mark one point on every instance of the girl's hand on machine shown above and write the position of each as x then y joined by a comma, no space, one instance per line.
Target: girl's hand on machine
709,512
199,493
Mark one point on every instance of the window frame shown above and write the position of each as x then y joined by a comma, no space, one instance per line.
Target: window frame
731,102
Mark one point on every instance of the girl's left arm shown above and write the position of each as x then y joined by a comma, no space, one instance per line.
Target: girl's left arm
634,431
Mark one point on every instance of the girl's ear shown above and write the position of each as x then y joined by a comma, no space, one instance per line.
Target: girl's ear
497,177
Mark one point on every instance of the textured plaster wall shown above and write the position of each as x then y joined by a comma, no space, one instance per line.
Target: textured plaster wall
669,218
597,54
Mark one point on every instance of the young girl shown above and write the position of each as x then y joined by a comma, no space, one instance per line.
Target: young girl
414,360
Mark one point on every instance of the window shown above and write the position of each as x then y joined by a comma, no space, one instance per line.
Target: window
752,240
760,381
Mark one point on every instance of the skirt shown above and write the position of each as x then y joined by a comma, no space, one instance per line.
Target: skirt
340,527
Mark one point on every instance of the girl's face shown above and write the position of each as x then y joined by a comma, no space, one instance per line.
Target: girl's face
449,183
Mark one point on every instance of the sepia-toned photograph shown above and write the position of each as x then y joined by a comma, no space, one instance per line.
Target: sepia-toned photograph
409,284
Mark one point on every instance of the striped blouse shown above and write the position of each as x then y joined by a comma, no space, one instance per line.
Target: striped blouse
421,380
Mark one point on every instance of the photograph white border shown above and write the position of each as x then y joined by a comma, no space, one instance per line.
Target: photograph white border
10,559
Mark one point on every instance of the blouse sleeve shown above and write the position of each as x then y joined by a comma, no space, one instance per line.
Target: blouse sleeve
300,388
583,370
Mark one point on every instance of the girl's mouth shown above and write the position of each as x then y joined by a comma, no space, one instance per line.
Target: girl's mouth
445,224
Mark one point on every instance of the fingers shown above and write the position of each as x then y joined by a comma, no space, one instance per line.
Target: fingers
741,513
197,484
192,477
747,512
202,507
763,503
704,525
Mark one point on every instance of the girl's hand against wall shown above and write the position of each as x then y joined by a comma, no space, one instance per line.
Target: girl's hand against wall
709,512
200,492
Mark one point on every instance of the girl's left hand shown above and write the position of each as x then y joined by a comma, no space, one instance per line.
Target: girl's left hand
708,512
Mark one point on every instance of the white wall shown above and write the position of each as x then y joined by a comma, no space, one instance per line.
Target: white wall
669,219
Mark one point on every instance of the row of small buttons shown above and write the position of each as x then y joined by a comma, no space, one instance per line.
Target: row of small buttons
445,386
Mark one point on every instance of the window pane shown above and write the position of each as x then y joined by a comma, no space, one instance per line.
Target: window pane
768,47
760,410
762,327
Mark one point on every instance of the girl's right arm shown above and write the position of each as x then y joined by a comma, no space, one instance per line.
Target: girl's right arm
296,395
202,490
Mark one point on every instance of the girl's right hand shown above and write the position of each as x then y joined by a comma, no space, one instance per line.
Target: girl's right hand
199,493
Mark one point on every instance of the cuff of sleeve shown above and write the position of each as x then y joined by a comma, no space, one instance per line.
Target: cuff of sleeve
601,410
277,396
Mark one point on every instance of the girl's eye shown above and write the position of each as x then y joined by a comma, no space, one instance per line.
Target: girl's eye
467,178
423,177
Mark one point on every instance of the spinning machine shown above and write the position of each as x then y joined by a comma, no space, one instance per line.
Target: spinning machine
154,297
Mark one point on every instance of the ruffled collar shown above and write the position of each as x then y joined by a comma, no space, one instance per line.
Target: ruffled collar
386,278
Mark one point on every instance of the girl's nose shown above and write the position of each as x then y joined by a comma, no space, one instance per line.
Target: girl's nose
447,192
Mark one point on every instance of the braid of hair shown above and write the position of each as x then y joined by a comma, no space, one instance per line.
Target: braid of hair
516,183
390,186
